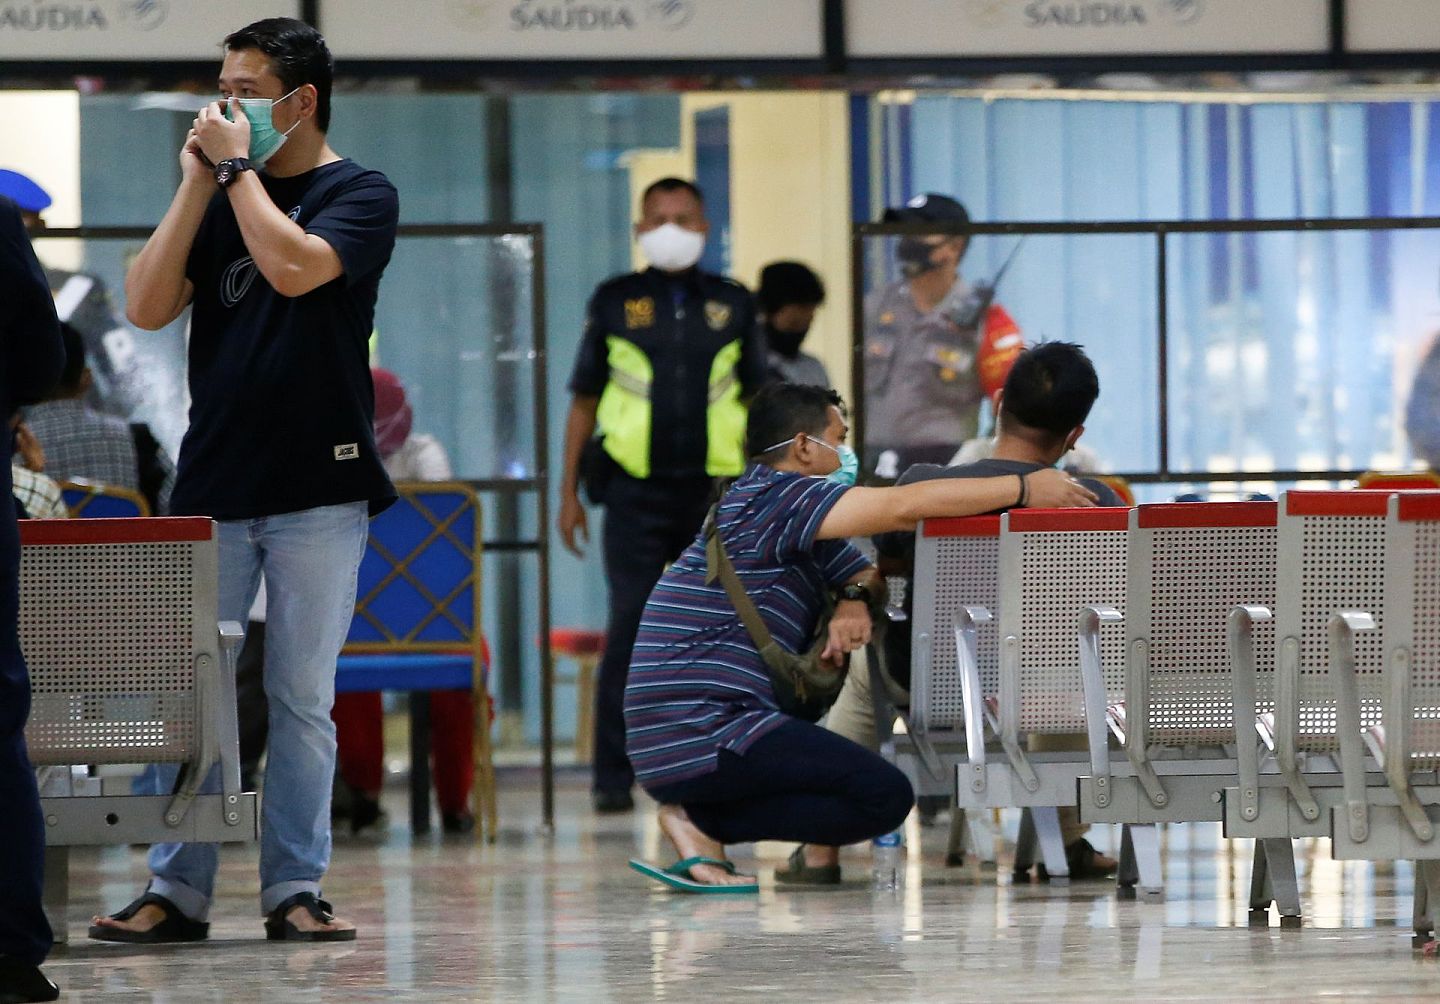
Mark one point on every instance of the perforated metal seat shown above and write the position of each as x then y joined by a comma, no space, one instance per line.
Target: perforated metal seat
1053,565
1188,565
1330,559
1395,817
128,665
956,564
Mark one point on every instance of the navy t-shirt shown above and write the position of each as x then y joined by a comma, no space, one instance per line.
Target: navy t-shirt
282,407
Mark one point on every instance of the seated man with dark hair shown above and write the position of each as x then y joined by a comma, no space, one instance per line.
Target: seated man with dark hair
1041,415
704,726
81,443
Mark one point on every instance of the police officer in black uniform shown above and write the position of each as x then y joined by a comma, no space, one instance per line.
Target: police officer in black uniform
668,359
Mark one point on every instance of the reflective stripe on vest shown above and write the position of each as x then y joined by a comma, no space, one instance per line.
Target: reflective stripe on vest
624,411
725,418
625,415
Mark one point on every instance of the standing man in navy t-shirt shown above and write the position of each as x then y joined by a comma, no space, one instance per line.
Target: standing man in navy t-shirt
279,244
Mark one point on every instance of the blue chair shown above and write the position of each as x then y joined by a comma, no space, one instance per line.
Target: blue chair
417,626
88,500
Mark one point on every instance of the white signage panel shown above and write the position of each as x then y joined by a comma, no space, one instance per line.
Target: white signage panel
1392,26
127,29
574,29
980,28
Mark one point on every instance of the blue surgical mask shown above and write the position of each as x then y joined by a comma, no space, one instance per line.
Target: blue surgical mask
849,469
845,474
265,139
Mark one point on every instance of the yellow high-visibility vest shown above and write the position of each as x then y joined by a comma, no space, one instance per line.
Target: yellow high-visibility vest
625,413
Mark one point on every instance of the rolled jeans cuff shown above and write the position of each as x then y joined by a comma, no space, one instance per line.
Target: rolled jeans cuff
190,902
278,893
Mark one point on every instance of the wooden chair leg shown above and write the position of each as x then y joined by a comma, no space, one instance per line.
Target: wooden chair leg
585,709
483,795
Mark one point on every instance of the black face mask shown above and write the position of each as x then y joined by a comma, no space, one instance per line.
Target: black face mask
916,256
787,343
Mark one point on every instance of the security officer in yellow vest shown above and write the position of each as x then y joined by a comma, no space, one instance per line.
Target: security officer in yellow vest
668,360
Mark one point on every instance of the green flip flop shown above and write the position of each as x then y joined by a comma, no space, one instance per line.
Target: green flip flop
677,877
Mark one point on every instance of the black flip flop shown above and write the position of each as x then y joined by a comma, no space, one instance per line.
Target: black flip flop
797,872
174,928
278,928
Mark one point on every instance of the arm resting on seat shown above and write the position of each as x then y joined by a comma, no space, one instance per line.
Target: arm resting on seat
1242,623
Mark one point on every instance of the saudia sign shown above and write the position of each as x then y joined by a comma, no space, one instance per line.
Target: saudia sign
572,15
573,29
988,28
1048,13
126,29
141,15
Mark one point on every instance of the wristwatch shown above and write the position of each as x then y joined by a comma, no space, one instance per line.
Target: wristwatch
228,170
856,591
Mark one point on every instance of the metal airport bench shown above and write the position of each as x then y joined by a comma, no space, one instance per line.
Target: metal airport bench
956,565
1189,564
1331,559
129,666
1393,816
1053,565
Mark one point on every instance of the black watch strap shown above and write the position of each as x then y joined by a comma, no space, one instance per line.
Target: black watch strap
228,170
856,591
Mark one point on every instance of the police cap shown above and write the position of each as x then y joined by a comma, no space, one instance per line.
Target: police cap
928,208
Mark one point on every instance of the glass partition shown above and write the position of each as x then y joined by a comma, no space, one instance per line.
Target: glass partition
1233,357
931,353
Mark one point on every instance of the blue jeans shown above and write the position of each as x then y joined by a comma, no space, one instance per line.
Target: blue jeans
310,560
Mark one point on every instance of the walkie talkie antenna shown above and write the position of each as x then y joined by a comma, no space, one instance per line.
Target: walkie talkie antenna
1009,260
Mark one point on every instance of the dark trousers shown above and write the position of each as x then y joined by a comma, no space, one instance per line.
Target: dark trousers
800,783
647,526
24,931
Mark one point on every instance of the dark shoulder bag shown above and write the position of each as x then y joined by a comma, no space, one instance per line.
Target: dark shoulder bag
804,686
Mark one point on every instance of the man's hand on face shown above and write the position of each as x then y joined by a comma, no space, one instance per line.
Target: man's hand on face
218,137
849,630
194,165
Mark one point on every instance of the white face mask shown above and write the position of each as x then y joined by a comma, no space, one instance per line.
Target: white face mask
672,248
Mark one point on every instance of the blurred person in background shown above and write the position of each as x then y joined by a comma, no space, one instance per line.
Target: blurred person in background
937,348
789,295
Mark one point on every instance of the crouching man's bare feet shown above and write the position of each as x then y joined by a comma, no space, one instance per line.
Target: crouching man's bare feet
690,842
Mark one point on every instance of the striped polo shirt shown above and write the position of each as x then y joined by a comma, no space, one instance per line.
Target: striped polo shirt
697,684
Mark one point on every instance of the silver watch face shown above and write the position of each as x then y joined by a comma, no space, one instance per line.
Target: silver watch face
224,171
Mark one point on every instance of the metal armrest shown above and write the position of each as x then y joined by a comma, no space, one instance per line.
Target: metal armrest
232,636
1097,699
967,659
1242,623
1287,726
1343,628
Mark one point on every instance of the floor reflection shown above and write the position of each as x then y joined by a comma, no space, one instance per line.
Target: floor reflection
560,918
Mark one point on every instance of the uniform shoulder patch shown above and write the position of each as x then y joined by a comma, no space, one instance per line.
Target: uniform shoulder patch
718,314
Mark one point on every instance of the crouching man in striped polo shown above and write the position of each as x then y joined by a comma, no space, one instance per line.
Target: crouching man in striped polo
705,729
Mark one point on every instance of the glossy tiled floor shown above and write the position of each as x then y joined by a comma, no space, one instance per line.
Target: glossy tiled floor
561,918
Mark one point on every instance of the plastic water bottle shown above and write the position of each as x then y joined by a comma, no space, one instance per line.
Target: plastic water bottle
887,868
